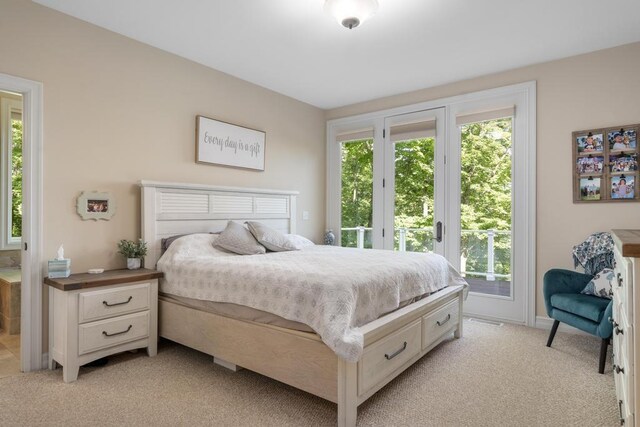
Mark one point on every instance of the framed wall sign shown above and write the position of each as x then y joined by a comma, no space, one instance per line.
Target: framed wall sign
220,143
95,206
606,164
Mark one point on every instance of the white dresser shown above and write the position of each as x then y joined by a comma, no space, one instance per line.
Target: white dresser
93,316
626,306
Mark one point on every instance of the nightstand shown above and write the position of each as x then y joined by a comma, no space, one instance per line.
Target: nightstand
94,315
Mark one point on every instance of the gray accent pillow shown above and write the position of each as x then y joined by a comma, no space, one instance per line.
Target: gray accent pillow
271,238
239,240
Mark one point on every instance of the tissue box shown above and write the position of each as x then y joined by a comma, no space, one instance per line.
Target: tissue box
59,268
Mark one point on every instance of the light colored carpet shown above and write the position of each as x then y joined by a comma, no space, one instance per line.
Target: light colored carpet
494,376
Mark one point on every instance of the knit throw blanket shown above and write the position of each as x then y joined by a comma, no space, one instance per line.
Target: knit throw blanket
594,254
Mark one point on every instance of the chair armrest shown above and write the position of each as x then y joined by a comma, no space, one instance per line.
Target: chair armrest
558,281
605,329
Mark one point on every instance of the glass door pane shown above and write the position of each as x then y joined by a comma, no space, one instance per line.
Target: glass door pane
414,182
414,194
357,193
486,206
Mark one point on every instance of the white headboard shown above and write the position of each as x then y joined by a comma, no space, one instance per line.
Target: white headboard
169,209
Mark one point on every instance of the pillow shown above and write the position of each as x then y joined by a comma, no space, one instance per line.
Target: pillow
601,285
237,239
299,241
167,241
270,238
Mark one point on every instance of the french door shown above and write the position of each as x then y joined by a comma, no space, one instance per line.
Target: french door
454,180
414,182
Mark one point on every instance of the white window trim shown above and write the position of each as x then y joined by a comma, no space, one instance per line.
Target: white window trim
376,119
8,106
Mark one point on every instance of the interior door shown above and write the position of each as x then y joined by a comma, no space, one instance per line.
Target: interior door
414,185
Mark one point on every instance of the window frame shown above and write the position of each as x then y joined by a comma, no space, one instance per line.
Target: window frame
8,106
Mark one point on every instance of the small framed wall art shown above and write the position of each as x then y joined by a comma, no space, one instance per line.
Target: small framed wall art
94,205
225,144
606,164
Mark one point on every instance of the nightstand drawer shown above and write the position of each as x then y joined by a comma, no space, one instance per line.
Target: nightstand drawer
113,302
108,333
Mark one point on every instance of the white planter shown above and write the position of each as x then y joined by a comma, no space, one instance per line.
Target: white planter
133,263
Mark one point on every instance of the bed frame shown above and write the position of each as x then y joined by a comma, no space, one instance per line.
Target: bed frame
392,343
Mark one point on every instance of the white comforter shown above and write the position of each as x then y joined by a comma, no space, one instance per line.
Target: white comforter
333,290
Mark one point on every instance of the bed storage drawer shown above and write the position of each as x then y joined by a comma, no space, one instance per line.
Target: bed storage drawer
108,333
112,302
383,357
441,321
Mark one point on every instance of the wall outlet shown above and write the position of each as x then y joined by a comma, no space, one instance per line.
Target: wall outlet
305,215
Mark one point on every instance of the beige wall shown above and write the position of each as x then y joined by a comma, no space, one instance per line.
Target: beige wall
117,111
600,89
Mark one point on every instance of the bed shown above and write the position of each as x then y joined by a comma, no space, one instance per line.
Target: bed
371,354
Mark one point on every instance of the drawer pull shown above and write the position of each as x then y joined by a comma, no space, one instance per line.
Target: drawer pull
619,279
620,409
118,303
618,369
440,323
404,347
619,331
106,334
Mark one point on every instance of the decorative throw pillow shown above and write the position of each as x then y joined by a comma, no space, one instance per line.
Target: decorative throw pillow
299,241
167,241
270,238
601,285
237,239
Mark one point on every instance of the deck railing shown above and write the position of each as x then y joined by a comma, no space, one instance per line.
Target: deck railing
402,232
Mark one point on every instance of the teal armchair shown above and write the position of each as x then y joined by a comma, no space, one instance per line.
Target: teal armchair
566,304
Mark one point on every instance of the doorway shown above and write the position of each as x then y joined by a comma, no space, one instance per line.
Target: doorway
29,244
454,177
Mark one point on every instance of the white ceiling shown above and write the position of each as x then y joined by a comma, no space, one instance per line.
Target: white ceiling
292,47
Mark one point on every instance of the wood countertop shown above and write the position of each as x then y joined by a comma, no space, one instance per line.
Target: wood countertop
628,241
109,277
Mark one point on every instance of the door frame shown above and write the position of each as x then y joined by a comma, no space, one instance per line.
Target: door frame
31,355
375,119
522,198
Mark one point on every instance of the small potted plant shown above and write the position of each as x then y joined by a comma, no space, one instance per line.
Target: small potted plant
133,251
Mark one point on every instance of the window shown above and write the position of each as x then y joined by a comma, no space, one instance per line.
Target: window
11,176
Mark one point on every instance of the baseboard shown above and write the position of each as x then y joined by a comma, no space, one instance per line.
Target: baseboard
544,322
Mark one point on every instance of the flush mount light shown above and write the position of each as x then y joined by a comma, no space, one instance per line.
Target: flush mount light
351,13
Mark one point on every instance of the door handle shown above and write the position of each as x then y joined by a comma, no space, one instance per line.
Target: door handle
439,231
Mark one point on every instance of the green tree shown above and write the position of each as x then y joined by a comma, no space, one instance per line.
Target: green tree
357,189
485,192
16,179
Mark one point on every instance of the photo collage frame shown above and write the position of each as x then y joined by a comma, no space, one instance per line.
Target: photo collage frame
605,163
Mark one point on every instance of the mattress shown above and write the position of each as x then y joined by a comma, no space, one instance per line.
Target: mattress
242,312
331,289
237,311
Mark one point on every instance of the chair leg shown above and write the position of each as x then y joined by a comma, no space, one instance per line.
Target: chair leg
603,355
552,334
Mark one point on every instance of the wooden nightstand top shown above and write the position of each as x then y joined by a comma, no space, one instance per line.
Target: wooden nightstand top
629,242
109,277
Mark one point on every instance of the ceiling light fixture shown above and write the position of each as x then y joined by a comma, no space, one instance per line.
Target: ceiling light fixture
351,13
